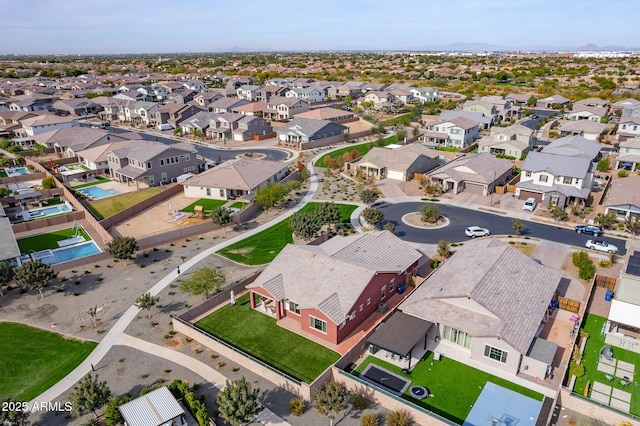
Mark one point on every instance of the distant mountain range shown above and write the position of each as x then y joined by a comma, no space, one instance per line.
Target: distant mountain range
457,47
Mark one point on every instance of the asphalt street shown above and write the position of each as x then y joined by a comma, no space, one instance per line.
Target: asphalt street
460,218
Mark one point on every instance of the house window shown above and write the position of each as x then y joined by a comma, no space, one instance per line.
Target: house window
567,180
543,178
293,307
392,284
495,354
368,301
528,174
456,336
163,178
222,192
383,292
151,180
318,324
208,191
148,165
361,307
187,157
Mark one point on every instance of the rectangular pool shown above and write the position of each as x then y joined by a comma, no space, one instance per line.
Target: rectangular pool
65,254
97,193
49,211
16,171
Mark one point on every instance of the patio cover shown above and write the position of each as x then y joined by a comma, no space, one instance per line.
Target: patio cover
625,313
400,333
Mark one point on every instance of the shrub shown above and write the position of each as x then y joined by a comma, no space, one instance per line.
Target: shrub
180,389
577,369
399,418
623,173
604,263
359,402
369,420
579,257
297,406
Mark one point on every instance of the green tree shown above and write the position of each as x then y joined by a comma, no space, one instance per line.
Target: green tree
531,101
603,165
373,216
146,301
12,417
631,224
122,248
204,281
429,213
221,216
369,196
270,195
400,135
605,220
389,226
48,183
444,249
238,402
518,226
6,274
328,213
305,224
112,416
34,275
331,399
89,395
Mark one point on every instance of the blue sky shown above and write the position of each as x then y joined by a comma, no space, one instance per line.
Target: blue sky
134,26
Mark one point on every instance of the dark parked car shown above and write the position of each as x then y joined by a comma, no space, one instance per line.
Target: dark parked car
594,230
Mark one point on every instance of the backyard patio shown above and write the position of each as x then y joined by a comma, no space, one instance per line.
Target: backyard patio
610,382
453,387
258,335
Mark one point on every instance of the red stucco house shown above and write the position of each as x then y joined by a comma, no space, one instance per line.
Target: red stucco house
332,288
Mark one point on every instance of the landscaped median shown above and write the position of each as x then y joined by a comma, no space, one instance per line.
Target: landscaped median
455,386
264,246
258,335
362,149
33,360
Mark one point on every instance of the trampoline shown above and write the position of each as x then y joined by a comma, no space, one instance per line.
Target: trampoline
385,379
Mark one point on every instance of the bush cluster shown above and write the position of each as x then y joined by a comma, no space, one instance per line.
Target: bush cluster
180,390
586,268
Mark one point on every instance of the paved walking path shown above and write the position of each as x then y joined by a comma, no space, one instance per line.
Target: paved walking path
117,331
266,416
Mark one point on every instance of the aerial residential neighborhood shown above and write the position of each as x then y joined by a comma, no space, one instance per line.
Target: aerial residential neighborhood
295,236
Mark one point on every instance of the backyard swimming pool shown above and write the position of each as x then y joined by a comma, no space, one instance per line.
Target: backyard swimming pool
49,211
65,254
15,171
97,193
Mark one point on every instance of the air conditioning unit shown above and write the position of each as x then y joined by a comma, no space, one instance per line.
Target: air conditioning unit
382,308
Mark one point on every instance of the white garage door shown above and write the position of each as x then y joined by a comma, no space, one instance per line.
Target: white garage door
395,174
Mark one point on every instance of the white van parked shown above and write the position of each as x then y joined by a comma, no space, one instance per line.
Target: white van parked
165,127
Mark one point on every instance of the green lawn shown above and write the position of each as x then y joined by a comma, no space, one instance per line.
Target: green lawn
32,360
49,240
239,205
99,180
262,247
3,173
112,205
456,386
207,203
361,148
258,335
593,325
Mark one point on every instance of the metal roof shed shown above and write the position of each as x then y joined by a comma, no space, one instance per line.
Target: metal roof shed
156,408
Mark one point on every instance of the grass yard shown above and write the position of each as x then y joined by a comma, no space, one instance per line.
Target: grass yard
239,205
32,360
258,335
262,247
361,148
593,325
99,180
49,240
3,173
112,205
456,386
207,203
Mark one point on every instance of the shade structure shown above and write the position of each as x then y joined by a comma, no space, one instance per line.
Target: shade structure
400,333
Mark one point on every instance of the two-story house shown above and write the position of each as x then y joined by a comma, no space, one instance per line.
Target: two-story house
512,141
46,122
173,114
224,104
152,163
458,132
329,290
307,94
206,99
561,173
283,108
425,94
495,106
140,112
265,93
628,128
248,92
629,154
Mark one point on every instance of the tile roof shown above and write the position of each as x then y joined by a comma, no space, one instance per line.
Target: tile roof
300,273
514,290
325,113
144,150
481,167
557,165
240,174
307,126
396,159
573,146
